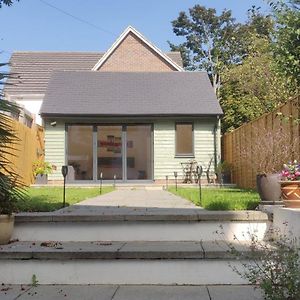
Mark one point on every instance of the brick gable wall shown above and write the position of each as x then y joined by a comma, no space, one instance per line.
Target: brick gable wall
133,55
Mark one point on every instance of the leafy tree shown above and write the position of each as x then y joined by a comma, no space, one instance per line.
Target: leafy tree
287,39
216,42
210,39
7,2
253,87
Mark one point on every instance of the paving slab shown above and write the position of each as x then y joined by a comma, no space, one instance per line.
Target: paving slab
139,198
127,250
130,292
107,214
101,250
71,292
232,292
9,292
161,293
161,250
60,250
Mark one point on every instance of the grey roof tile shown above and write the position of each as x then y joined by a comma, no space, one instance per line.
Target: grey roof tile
32,70
130,94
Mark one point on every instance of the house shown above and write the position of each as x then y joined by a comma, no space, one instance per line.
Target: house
130,114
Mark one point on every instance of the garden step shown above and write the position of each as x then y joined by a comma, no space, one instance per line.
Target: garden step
166,263
136,224
132,292
110,214
55,250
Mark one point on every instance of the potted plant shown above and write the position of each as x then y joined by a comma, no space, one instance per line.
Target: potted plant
290,184
11,188
266,158
41,169
224,169
10,194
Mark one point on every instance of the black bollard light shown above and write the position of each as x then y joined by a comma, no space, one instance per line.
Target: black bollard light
167,182
101,178
199,174
64,172
175,175
115,180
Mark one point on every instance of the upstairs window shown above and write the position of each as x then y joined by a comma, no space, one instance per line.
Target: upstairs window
184,139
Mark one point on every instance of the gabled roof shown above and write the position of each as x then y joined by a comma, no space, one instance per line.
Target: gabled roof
130,94
122,37
32,70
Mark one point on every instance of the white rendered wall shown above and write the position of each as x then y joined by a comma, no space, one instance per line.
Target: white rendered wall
287,220
34,107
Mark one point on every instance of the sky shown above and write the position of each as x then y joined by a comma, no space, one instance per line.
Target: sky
35,25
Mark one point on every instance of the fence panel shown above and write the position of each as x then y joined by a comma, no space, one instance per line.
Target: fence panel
239,146
29,149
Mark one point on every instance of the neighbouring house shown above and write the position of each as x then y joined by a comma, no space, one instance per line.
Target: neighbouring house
131,113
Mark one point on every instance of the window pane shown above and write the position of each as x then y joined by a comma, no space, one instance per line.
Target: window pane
109,151
184,139
139,152
80,152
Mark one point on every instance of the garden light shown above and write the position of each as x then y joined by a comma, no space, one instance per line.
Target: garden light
64,172
175,175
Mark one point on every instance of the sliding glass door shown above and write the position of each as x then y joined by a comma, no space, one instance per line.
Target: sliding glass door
138,150
80,152
109,152
123,152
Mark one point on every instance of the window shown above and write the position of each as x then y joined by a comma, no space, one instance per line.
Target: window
184,139
80,151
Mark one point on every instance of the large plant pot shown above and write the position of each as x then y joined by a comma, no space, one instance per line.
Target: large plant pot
268,187
290,193
6,228
226,177
41,179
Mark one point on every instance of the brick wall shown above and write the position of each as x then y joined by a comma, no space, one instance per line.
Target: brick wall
132,55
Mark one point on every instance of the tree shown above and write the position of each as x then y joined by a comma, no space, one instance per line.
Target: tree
7,2
253,87
215,43
210,40
287,39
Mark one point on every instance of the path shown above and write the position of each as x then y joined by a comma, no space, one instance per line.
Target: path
135,200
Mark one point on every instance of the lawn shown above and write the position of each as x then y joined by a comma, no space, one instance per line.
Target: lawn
220,198
50,198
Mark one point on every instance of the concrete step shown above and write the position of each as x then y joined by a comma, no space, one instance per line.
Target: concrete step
131,292
170,263
140,224
56,250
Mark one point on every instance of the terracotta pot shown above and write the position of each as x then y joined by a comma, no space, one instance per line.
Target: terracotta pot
6,228
268,187
290,193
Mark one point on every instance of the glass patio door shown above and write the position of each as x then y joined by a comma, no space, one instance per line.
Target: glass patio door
109,152
138,152
123,152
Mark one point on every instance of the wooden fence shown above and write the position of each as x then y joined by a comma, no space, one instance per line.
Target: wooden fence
29,149
244,146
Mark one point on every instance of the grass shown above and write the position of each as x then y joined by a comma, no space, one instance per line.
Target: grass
221,198
45,199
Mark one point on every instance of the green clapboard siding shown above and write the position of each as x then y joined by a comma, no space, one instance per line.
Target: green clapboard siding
165,162
55,148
